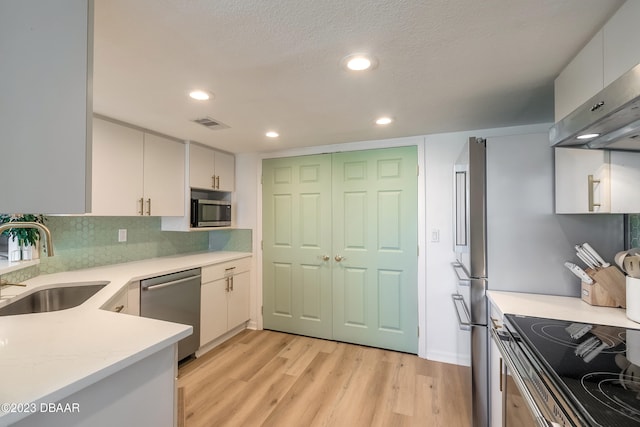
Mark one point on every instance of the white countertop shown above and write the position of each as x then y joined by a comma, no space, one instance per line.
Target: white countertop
558,307
45,357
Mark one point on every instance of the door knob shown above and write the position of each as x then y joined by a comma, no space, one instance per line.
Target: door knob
325,257
339,258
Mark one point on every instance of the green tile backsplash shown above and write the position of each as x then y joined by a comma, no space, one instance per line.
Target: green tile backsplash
634,230
85,241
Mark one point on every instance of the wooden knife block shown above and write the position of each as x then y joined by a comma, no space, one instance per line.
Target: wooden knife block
608,288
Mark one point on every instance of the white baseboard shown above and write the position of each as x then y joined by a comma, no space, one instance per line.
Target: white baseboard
253,325
447,357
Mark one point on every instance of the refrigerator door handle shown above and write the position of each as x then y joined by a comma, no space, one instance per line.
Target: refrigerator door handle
458,301
461,274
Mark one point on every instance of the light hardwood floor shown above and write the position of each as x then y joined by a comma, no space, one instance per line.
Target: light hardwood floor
266,378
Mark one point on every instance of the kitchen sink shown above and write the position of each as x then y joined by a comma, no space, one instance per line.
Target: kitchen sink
60,297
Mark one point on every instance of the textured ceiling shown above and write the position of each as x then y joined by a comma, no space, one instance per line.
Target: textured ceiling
444,65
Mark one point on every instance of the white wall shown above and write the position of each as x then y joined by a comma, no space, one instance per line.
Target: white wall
248,211
440,338
444,341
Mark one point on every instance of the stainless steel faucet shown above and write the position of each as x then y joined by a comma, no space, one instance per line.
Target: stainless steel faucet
45,233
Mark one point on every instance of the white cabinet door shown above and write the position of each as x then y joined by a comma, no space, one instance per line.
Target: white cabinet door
45,114
136,173
117,169
164,163
621,41
224,302
625,182
201,167
225,171
581,79
133,298
210,169
238,300
119,303
495,385
574,192
213,310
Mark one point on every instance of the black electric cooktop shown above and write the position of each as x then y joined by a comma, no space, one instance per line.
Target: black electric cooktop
596,367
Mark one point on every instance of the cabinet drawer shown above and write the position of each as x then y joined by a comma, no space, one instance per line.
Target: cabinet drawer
217,271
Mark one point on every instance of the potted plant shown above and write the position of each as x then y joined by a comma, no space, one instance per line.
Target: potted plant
22,240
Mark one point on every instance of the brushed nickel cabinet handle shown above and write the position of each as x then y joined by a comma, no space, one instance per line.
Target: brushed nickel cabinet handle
119,308
231,281
496,323
213,181
218,182
592,183
339,258
149,206
325,257
226,289
141,211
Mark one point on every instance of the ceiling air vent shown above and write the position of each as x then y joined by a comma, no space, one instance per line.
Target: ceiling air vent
211,123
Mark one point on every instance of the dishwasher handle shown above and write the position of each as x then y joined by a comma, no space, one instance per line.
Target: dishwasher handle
167,284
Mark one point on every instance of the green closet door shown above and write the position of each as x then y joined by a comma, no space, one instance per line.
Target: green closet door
375,230
296,238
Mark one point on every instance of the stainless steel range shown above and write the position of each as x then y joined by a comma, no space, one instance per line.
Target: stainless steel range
573,374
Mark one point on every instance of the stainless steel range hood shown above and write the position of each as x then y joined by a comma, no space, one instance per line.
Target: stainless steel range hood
613,114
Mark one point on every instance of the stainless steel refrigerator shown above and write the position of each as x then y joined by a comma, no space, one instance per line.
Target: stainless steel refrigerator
507,237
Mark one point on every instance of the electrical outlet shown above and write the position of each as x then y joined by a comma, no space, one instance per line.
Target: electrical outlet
122,235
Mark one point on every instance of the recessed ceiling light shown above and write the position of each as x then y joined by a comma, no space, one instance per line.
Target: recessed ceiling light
384,120
272,134
199,95
359,62
588,136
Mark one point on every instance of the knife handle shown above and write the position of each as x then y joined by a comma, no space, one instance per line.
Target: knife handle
585,260
595,254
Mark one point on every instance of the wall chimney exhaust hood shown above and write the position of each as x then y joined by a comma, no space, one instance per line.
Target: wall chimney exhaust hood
610,120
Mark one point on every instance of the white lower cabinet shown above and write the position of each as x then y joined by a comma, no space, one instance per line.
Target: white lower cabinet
224,303
126,301
119,303
496,370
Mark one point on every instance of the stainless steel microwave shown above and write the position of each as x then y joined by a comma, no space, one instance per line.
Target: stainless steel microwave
210,213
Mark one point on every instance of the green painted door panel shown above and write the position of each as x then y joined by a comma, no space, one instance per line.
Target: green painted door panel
361,206
296,236
375,230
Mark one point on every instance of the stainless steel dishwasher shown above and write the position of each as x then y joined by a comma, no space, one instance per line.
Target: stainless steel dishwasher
175,298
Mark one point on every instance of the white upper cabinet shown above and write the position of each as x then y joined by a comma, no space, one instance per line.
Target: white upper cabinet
201,167
118,153
582,181
581,79
621,41
597,181
225,169
614,50
625,179
210,169
164,163
136,173
46,65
